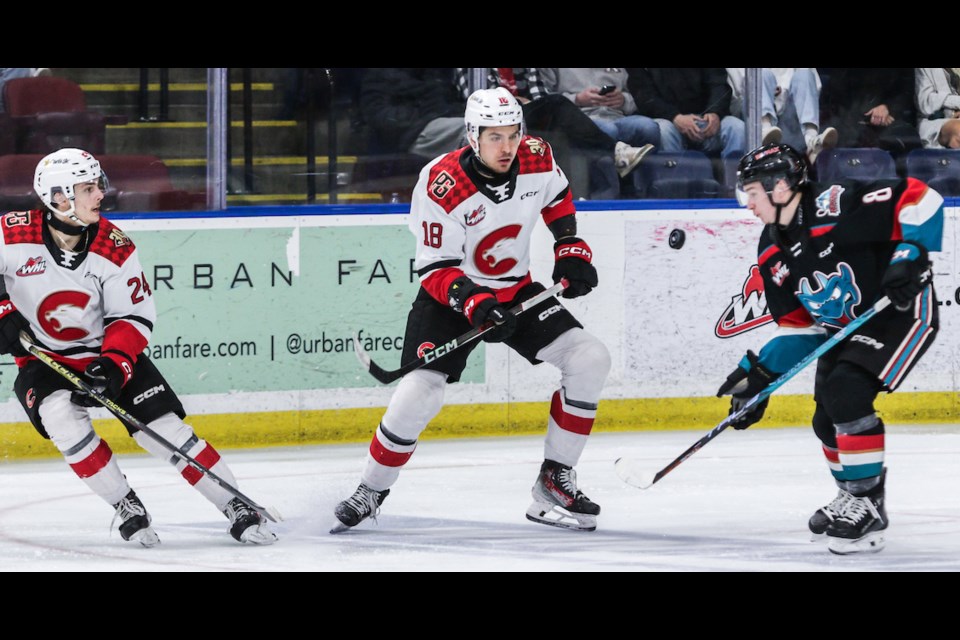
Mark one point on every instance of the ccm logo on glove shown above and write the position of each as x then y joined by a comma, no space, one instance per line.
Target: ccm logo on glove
575,251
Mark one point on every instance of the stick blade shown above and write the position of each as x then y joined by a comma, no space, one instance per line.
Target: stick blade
629,473
362,355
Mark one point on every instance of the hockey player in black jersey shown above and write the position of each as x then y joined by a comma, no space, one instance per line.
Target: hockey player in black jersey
827,253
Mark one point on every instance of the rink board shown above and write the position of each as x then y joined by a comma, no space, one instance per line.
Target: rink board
257,313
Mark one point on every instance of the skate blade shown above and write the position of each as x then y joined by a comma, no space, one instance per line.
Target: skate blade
147,537
870,543
339,528
555,516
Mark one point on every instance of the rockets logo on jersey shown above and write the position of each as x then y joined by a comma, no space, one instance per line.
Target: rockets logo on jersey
33,267
61,315
493,255
832,304
828,202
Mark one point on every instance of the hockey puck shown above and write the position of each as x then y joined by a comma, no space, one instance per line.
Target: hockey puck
677,238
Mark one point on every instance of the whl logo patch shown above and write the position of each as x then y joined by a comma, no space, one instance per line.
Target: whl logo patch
746,311
33,267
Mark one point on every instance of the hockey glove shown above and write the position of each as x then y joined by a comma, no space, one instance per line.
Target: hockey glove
107,377
909,272
12,323
573,258
744,384
479,304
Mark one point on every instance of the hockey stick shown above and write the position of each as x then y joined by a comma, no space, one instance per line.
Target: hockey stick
269,512
386,377
627,468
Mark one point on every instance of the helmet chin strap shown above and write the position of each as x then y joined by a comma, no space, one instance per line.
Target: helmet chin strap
775,228
58,223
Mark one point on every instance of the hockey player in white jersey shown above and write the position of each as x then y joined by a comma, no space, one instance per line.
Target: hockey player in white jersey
73,282
473,212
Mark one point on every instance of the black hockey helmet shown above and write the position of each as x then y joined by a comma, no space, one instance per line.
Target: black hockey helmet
768,164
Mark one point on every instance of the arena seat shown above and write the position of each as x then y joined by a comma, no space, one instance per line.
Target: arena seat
685,175
939,168
864,164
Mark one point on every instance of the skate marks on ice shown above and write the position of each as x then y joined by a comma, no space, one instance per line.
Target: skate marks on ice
459,505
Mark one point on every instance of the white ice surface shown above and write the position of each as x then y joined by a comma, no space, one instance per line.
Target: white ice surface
739,504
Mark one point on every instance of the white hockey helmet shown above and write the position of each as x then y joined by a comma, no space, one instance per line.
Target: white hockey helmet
59,171
491,108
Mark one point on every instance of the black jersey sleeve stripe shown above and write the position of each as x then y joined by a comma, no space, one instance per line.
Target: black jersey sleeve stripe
137,319
443,264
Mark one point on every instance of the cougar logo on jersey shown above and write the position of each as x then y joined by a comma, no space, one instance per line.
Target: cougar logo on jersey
828,202
442,184
492,255
832,304
779,273
61,315
476,216
535,146
746,311
33,267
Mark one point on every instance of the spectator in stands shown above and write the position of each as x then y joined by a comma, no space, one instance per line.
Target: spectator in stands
413,110
790,109
871,107
552,112
938,102
602,94
692,108
9,73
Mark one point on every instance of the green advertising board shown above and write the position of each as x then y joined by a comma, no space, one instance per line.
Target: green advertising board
276,309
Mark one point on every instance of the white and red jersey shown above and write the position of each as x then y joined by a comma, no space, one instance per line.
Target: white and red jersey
79,305
468,225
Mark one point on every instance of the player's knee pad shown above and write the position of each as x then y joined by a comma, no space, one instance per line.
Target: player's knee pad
584,363
848,393
172,429
416,401
66,423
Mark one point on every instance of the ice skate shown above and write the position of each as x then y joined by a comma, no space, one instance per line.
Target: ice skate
246,525
860,528
364,503
825,516
135,521
557,501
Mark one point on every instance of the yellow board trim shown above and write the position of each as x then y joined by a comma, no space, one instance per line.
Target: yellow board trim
292,428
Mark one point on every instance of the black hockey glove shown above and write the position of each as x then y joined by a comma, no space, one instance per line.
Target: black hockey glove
909,272
107,377
744,385
12,323
573,258
479,304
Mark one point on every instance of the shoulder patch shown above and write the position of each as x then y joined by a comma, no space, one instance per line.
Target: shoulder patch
535,155
22,227
447,184
112,243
